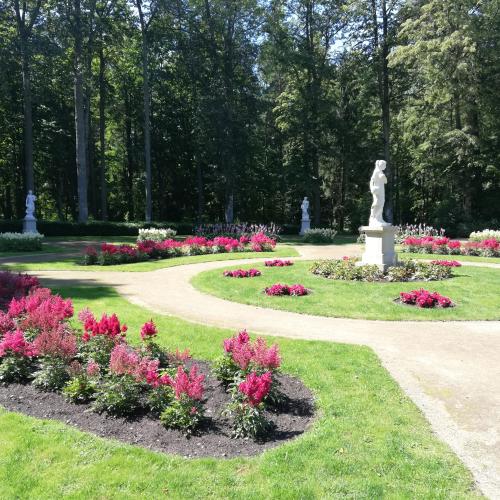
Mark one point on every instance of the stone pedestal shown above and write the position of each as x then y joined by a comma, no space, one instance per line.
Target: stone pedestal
29,225
304,226
379,246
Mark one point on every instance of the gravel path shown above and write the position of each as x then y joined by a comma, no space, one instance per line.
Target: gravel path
451,370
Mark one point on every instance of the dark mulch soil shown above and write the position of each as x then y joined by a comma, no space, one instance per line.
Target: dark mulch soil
213,439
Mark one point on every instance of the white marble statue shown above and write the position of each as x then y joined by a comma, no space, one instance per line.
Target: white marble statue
377,188
30,205
305,209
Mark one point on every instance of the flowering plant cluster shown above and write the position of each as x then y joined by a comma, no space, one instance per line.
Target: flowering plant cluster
15,286
20,242
278,263
486,234
445,246
156,235
319,235
348,269
425,299
195,245
446,263
278,290
407,230
248,370
242,273
238,230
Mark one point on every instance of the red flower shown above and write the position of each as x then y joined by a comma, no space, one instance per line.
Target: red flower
256,388
15,343
190,384
59,342
148,330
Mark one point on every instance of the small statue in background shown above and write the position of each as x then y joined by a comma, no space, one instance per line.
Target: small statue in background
377,188
30,205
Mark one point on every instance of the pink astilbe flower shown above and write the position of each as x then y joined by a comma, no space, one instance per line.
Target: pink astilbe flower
148,330
6,324
446,263
14,343
189,384
109,326
278,290
14,286
124,360
59,342
266,357
241,337
256,387
179,358
93,369
260,242
425,299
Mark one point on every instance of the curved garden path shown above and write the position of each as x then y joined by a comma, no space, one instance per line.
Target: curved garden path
451,370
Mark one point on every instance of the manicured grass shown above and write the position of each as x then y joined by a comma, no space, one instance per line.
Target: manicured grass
46,248
460,258
475,290
74,264
370,441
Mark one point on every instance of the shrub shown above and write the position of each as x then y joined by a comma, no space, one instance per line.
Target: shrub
156,235
281,290
51,375
242,273
485,234
16,355
79,389
20,242
319,235
425,299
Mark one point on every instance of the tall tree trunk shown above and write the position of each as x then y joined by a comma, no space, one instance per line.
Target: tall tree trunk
200,193
28,116
102,135
81,153
147,126
130,160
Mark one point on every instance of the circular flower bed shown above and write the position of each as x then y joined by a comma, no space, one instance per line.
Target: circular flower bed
278,263
425,299
279,290
348,269
242,273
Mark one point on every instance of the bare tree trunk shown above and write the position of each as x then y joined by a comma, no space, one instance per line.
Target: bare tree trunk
81,153
102,135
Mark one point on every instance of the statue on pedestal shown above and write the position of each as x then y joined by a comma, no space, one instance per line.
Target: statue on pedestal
305,209
30,205
377,188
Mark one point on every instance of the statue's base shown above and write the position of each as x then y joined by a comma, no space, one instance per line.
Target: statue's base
29,225
305,226
379,246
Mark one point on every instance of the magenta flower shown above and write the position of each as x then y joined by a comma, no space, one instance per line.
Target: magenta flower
256,387
148,330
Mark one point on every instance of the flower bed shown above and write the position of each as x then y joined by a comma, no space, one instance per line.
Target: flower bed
278,290
278,263
98,367
242,273
20,242
348,270
238,230
157,235
195,245
486,234
445,246
446,263
425,299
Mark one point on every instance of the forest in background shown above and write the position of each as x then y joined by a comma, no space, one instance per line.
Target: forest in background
212,110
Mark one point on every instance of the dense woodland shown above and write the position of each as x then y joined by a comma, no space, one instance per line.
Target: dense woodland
206,110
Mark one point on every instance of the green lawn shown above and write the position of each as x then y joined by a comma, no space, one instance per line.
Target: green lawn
461,258
74,264
370,441
46,248
476,291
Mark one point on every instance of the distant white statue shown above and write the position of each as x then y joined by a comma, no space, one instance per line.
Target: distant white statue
305,209
377,188
30,205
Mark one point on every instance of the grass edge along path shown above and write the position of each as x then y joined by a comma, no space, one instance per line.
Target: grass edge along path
73,264
475,291
369,441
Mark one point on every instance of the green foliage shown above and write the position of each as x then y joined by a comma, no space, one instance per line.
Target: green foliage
160,398
118,395
183,414
52,374
225,369
319,235
79,389
248,421
15,369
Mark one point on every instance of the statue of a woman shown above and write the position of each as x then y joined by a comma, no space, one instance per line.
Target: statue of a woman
305,209
377,188
30,205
